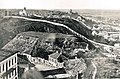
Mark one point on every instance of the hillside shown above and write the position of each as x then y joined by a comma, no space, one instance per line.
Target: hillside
35,43
12,26
73,24
42,36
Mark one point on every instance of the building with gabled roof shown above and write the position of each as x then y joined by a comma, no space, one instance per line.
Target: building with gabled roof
8,65
55,55
56,59
21,43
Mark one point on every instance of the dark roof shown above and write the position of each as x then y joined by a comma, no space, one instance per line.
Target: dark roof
22,59
62,58
41,54
53,72
20,71
8,72
5,54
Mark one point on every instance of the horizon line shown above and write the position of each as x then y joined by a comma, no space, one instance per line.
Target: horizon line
62,9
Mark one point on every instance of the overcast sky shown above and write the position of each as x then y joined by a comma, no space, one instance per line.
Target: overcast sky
61,4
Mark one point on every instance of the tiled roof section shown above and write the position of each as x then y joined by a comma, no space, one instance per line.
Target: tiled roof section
55,55
5,54
21,43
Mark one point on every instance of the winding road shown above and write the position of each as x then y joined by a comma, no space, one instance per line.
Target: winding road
60,25
95,70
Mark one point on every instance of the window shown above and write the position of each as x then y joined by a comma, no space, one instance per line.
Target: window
43,61
10,75
15,60
33,59
3,67
56,64
6,66
52,60
39,60
9,63
12,61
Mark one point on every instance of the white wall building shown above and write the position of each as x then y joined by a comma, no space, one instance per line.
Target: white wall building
23,12
54,60
8,65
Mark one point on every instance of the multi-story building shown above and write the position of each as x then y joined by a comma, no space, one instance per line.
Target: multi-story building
8,65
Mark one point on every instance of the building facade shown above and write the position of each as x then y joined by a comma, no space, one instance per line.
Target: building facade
8,65
56,60
23,12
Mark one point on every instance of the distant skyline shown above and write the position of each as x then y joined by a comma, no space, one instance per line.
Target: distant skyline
60,4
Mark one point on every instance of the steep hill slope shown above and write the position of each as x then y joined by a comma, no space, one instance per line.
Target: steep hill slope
73,24
17,25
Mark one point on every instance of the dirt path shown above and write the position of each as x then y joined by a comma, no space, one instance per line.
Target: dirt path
60,25
95,70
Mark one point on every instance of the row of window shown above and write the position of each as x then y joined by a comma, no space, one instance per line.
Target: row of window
39,60
53,60
4,66
11,75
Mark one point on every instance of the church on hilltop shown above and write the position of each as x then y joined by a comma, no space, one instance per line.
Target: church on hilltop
23,12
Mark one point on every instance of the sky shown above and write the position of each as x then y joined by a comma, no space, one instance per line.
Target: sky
60,4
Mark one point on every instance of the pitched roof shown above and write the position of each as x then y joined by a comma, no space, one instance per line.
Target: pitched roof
8,72
5,54
55,55
58,56
53,72
21,43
